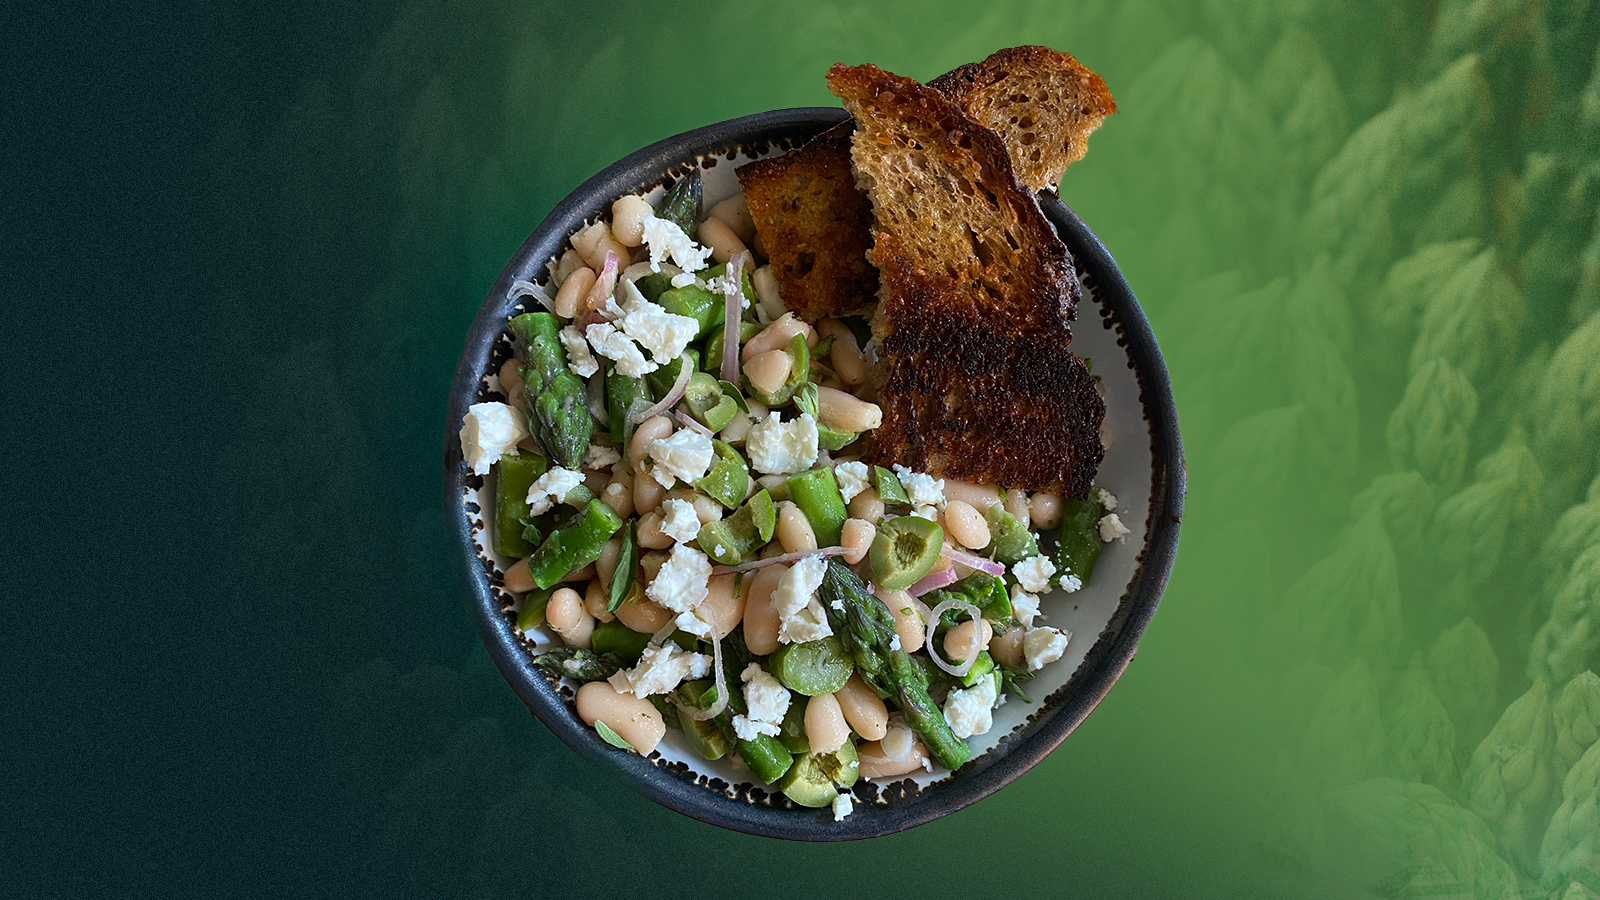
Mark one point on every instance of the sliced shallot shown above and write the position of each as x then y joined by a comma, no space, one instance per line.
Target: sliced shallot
772,561
933,581
685,371
974,562
933,623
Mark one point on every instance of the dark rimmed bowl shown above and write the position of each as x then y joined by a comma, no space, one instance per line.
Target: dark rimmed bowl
1143,468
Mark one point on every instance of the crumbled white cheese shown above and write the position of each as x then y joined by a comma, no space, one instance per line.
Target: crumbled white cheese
1112,529
487,431
1105,498
661,669
615,346
599,456
579,359
852,478
1071,584
697,621
685,456
894,642
1034,573
664,334
729,281
683,279
971,711
926,512
665,238
765,699
552,488
924,490
1024,606
682,583
1041,646
800,614
776,448
679,521
842,807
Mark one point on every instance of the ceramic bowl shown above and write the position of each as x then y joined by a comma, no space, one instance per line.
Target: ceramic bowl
1143,468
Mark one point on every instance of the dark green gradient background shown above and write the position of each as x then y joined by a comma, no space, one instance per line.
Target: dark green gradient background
242,248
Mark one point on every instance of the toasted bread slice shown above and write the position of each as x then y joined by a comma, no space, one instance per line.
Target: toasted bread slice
1042,103
975,298
815,226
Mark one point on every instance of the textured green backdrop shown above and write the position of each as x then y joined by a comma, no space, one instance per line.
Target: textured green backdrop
248,241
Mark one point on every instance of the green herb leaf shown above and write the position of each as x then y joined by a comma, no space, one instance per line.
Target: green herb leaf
611,737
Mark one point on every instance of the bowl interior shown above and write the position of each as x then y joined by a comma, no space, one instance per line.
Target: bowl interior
1143,468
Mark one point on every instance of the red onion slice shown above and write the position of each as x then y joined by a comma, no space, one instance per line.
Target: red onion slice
933,581
732,303
772,561
603,286
933,622
974,562
690,423
685,372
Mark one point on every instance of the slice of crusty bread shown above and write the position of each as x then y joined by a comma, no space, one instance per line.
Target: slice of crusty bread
976,294
815,225
1041,102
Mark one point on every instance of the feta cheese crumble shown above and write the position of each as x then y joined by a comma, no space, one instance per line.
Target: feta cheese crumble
1071,584
685,456
1042,646
664,334
1105,498
552,488
665,238
765,699
599,456
616,346
488,430
776,448
579,359
682,584
679,521
971,711
852,478
924,490
800,614
1034,573
842,807
661,669
1024,606
1112,529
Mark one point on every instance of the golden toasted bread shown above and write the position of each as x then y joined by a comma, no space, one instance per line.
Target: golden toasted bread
975,297
1041,102
815,226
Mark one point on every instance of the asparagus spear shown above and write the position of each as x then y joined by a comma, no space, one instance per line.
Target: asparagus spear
578,663
557,400
866,628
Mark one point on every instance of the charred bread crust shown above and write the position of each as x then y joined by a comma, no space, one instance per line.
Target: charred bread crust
966,397
976,293
816,226
1043,103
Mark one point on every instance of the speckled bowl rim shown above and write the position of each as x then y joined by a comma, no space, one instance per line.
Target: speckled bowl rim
1065,710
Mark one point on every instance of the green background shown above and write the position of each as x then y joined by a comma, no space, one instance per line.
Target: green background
244,243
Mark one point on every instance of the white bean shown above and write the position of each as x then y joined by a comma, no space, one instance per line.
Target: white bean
716,234
875,763
845,357
967,639
592,244
595,599
845,412
794,529
965,525
1017,505
866,506
618,493
909,616
568,618
651,536
1007,648
760,619
1045,509
863,709
649,431
727,604
826,729
632,718
644,616
978,496
768,371
776,336
856,538
518,579
627,219
573,290
734,212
